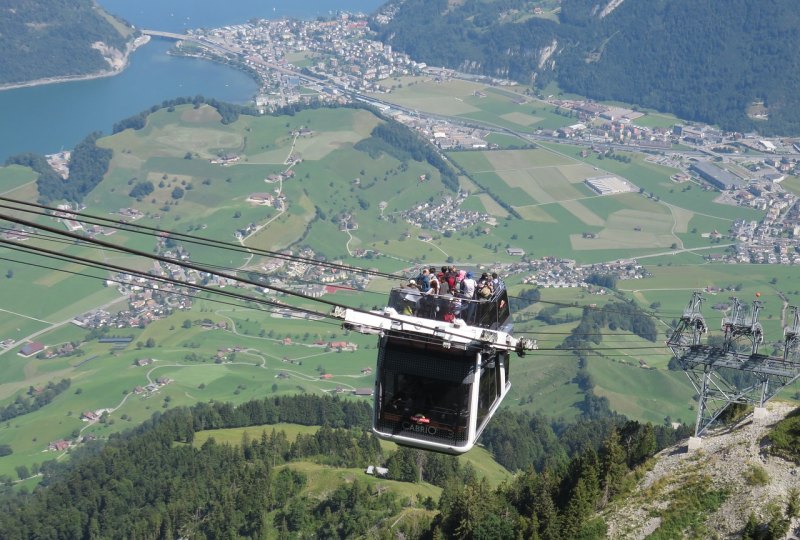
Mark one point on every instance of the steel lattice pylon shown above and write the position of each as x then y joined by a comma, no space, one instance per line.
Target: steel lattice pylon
734,372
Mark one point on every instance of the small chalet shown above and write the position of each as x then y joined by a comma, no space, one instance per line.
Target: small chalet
141,362
59,445
377,471
261,198
90,416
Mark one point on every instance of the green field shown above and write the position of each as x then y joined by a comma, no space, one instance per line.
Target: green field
479,458
331,179
14,176
507,108
545,187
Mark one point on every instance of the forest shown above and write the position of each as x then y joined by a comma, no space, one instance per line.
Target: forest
87,166
37,398
228,111
686,57
152,482
53,38
397,140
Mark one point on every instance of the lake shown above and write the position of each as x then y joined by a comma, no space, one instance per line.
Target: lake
48,118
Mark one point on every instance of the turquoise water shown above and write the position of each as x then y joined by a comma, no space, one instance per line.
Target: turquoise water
49,118
176,15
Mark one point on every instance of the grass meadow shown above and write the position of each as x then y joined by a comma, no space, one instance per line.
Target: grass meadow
479,458
504,108
333,179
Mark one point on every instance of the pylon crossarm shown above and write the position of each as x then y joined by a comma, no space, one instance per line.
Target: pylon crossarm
735,372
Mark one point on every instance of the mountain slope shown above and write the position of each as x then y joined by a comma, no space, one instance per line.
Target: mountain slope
687,57
42,39
713,490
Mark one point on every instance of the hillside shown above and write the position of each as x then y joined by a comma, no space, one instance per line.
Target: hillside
46,39
679,65
717,488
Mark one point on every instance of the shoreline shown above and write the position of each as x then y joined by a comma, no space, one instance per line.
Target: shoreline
132,46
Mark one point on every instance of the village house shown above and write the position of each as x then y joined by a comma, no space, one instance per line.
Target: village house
343,346
59,445
31,348
264,199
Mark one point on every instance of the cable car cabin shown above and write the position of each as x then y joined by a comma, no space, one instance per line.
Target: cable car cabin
443,367
436,398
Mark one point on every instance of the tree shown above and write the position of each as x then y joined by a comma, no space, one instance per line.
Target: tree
187,323
10,273
612,467
142,190
150,343
177,193
22,472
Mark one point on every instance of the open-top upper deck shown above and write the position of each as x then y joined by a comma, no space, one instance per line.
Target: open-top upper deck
492,312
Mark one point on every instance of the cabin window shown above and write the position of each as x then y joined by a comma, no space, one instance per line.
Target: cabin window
425,392
489,388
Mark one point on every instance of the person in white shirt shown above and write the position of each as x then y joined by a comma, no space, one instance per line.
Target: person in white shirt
468,285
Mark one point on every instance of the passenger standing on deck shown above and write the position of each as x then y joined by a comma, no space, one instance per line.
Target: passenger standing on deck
468,286
433,282
484,288
459,278
411,297
495,281
424,280
450,276
429,305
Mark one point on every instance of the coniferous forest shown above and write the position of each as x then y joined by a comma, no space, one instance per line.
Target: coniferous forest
151,482
53,38
687,57
87,166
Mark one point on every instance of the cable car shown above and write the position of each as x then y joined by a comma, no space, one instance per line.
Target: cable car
443,366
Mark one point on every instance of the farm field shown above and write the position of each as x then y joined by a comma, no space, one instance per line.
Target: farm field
105,377
325,179
13,177
546,188
792,183
504,108
649,394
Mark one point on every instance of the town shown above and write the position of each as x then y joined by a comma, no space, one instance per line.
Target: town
337,61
